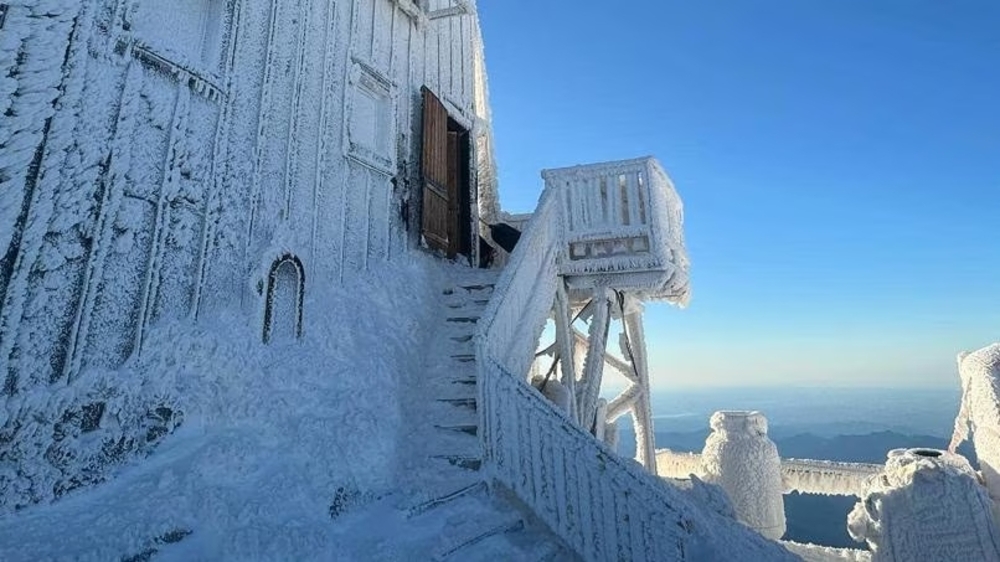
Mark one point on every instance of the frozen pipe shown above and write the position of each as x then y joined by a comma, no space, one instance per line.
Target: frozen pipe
739,457
927,505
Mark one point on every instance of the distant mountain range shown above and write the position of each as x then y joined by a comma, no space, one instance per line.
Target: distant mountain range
811,518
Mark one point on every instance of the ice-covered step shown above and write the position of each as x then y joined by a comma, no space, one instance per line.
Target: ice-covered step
458,385
453,442
466,428
453,403
467,462
447,416
470,288
460,339
461,297
469,402
467,303
478,288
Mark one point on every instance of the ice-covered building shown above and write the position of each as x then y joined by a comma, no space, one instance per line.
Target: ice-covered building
248,310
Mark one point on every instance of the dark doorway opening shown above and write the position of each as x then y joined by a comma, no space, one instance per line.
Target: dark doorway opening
459,174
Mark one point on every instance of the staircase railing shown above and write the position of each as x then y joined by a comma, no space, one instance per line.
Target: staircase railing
603,506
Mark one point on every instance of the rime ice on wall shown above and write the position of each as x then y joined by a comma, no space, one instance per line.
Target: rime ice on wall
980,412
155,152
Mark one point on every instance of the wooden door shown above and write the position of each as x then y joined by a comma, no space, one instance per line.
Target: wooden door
438,206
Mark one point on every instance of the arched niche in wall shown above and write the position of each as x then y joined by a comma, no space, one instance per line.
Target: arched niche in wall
189,30
286,283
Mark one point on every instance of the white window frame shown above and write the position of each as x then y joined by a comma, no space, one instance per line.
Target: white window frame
365,80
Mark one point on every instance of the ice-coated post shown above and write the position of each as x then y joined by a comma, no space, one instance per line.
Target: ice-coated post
927,505
739,457
980,375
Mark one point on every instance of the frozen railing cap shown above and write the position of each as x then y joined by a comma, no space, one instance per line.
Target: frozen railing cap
926,505
739,421
622,227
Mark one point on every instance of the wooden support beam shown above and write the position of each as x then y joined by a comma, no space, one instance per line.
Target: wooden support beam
565,345
593,366
635,332
623,367
624,402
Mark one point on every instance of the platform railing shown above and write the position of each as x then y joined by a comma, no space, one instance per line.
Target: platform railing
602,506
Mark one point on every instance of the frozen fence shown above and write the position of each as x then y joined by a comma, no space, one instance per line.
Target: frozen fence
807,476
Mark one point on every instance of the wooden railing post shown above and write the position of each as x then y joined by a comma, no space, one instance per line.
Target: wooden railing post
593,366
980,375
566,345
642,410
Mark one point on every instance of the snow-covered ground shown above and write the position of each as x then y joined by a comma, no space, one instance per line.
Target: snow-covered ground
270,435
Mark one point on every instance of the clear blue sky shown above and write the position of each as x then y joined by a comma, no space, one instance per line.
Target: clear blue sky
839,164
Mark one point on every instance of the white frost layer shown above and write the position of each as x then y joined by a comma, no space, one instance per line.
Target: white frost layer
271,437
828,478
623,228
673,464
739,457
980,412
807,476
928,506
818,553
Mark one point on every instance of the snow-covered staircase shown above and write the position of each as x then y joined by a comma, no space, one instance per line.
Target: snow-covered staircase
446,505
451,383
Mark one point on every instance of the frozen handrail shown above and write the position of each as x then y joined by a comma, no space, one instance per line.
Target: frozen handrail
980,413
807,476
828,478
